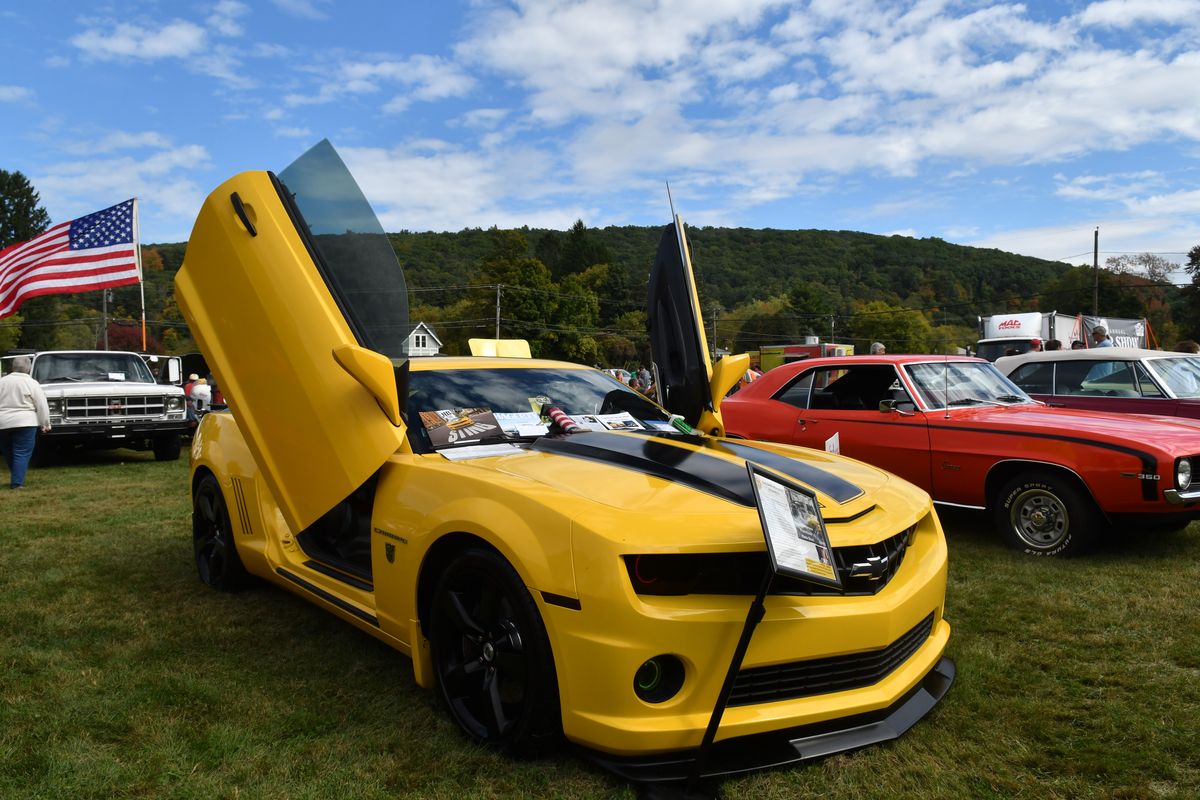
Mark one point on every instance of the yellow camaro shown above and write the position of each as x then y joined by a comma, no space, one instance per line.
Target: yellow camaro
590,584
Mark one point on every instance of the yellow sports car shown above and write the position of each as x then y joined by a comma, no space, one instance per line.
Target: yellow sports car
578,568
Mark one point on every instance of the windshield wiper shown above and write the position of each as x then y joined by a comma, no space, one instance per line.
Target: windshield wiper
1010,398
968,401
494,438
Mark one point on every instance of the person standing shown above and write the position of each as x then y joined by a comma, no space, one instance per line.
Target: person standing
1100,337
878,349
23,410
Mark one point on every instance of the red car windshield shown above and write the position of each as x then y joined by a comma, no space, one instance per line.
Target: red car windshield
943,384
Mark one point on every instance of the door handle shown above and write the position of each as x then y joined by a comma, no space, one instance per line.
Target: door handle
804,421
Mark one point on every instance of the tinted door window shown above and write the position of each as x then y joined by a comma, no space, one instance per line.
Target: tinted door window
1034,378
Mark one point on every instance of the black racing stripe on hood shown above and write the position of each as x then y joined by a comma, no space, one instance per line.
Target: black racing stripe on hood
711,475
827,483
657,455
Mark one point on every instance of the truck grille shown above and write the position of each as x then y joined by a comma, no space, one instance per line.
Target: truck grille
825,675
99,409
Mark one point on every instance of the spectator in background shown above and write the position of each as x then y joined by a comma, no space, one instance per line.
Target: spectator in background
1100,337
23,410
644,375
1035,346
1054,344
1187,346
1077,345
877,349
201,395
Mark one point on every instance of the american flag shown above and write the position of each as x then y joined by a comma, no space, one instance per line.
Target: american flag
92,252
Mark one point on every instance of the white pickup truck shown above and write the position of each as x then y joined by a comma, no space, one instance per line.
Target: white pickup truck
109,399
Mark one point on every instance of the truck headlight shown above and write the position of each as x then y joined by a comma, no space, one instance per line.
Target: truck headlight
174,404
55,405
1183,474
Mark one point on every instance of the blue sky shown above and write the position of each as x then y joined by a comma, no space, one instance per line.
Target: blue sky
1018,126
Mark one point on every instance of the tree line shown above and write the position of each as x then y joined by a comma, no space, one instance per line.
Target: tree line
580,294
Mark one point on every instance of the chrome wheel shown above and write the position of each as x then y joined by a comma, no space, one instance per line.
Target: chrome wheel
1040,519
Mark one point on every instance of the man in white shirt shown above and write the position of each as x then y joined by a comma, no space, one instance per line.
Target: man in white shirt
23,410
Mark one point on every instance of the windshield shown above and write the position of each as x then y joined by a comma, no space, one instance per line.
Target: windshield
942,384
77,367
352,251
993,350
592,399
1181,374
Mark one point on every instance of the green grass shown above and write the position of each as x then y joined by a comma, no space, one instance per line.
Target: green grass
121,676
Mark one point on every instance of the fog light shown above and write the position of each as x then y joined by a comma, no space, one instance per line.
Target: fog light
658,679
1183,474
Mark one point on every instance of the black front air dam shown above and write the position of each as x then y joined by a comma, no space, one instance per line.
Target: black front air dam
793,745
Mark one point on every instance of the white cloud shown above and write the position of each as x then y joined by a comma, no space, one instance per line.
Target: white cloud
161,179
176,39
120,140
1125,13
224,17
294,133
11,94
309,9
425,78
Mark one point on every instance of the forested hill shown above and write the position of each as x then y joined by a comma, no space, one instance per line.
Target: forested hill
581,294
736,265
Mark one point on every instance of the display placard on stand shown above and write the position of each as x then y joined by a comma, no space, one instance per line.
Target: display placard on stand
798,546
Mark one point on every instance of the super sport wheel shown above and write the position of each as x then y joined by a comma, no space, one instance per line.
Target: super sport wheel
492,657
217,561
1045,514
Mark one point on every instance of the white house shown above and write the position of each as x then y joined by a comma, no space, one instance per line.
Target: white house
423,342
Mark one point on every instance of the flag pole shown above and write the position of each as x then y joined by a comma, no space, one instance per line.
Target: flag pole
137,249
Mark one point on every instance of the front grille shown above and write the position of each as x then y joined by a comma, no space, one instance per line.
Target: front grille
825,675
864,569
124,407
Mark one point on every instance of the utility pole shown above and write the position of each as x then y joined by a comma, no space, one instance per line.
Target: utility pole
715,311
1096,274
105,294
498,310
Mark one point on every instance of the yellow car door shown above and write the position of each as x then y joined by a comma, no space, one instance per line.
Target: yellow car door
688,383
298,265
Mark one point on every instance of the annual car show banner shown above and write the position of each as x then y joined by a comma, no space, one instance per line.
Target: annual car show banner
96,251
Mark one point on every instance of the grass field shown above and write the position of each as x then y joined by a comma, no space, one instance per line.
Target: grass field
121,676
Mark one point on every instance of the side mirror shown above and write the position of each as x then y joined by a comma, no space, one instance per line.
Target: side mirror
888,406
174,371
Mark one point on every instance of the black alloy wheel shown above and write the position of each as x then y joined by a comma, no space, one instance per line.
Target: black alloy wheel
1045,514
492,657
217,560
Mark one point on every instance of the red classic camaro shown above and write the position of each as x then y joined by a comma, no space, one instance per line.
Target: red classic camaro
962,431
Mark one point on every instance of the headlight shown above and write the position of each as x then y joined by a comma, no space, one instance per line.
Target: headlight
1183,474
56,406
174,404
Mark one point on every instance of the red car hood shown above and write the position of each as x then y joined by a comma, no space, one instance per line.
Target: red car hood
1177,435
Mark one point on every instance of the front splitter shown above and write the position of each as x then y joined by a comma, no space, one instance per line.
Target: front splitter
791,745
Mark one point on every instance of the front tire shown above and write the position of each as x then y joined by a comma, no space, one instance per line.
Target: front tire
217,560
493,662
167,448
1044,514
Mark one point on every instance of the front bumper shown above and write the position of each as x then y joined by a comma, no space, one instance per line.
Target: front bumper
1178,498
791,746
107,432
